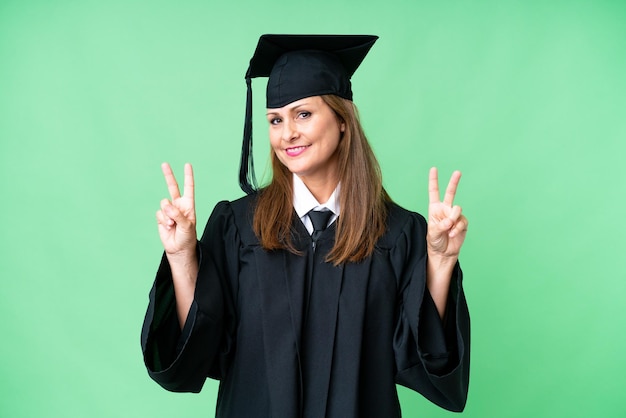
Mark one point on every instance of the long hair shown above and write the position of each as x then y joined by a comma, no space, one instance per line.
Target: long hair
362,197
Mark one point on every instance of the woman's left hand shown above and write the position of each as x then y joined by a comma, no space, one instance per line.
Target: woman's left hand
446,224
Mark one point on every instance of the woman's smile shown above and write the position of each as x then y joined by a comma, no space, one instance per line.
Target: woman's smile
296,151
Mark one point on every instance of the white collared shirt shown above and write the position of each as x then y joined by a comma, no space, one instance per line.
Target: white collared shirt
304,201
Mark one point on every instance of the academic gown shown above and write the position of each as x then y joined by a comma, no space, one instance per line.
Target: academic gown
293,336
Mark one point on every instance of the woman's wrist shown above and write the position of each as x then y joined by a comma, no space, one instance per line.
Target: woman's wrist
442,262
184,264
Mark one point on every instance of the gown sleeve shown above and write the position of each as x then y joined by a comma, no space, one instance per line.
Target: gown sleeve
180,361
432,356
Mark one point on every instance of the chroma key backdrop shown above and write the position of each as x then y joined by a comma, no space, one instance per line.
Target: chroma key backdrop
527,99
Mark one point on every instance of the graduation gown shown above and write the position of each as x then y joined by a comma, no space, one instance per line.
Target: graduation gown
292,336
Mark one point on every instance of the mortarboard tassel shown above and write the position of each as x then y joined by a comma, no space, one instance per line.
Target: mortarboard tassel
247,179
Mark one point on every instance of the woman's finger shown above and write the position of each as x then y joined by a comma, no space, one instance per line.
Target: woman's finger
189,184
440,228
433,186
164,220
460,227
170,211
455,213
172,185
451,189
174,213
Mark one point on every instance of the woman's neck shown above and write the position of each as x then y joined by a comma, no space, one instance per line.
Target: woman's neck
320,188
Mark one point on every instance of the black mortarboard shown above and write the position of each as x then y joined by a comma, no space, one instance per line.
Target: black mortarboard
299,66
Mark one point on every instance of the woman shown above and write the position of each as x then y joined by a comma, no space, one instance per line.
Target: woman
315,295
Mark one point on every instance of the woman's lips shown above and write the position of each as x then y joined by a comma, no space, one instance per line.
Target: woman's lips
295,151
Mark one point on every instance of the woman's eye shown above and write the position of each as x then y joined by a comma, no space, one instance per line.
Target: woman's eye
275,121
304,115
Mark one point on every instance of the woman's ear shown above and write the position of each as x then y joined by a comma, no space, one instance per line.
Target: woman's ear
342,126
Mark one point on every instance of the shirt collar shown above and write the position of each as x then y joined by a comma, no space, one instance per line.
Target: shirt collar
304,201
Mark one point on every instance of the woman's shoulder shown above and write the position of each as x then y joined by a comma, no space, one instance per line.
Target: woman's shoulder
398,214
238,208
237,214
244,206
402,224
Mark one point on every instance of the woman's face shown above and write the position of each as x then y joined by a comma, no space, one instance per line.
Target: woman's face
305,135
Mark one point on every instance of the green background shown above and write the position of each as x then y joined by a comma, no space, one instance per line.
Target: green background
527,98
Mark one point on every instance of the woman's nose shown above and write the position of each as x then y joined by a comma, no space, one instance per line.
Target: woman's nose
289,130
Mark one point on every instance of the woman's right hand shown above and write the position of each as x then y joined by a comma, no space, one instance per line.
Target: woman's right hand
177,217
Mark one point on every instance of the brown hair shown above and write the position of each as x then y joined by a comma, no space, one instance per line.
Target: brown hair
362,197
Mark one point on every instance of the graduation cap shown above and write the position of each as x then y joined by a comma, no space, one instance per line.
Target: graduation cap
299,66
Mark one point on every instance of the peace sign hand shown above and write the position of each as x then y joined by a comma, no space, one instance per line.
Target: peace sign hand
177,218
446,225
